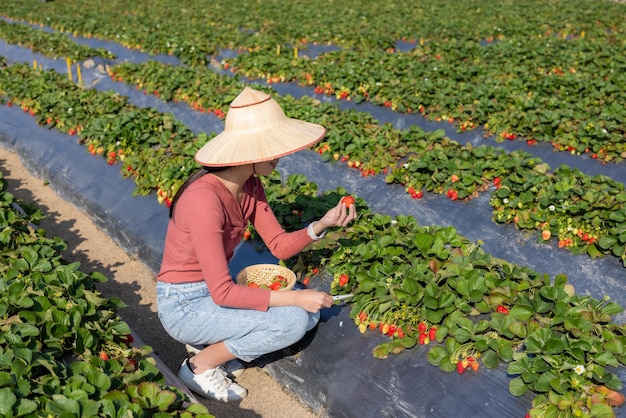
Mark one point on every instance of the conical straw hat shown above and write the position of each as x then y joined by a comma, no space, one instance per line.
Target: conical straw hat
255,130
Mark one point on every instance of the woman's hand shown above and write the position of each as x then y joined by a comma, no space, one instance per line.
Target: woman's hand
312,300
308,299
337,216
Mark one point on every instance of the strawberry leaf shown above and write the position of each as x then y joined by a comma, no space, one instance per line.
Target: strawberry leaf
436,355
517,387
382,351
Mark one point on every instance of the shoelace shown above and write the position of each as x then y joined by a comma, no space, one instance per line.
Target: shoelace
218,378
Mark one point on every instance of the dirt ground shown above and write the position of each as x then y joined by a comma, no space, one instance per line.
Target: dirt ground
134,283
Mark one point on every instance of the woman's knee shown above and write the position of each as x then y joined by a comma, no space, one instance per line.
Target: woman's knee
295,324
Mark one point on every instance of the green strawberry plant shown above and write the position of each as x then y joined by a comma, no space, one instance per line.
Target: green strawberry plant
585,213
420,285
483,309
63,349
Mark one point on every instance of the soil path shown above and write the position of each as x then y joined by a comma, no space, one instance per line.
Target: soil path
133,282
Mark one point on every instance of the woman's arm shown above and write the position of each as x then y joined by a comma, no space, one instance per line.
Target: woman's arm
284,245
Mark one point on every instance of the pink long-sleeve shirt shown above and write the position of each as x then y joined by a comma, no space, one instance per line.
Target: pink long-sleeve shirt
207,225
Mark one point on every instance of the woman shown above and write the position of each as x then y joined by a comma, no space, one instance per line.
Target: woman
199,303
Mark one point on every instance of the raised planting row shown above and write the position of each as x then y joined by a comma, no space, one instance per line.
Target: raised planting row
564,86
587,214
423,286
64,351
50,44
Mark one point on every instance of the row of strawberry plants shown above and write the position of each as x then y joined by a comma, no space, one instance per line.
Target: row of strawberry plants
133,29
561,96
156,27
50,44
562,91
64,350
155,148
435,163
429,286
158,150
587,214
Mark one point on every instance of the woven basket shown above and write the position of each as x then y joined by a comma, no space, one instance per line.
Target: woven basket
264,275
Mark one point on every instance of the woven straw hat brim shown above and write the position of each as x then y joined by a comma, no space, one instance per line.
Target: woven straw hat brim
256,130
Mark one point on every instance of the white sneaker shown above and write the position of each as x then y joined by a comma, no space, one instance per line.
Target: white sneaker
212,384
233,368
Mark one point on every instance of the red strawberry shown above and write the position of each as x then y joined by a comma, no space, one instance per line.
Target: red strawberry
347,200
459,367
432,333
104,356
343,279
502,309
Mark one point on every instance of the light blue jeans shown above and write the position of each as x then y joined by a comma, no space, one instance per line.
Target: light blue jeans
190,316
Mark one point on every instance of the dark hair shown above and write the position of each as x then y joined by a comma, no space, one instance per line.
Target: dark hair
195,176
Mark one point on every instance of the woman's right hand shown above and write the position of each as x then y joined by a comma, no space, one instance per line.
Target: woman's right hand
313,300
308,299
